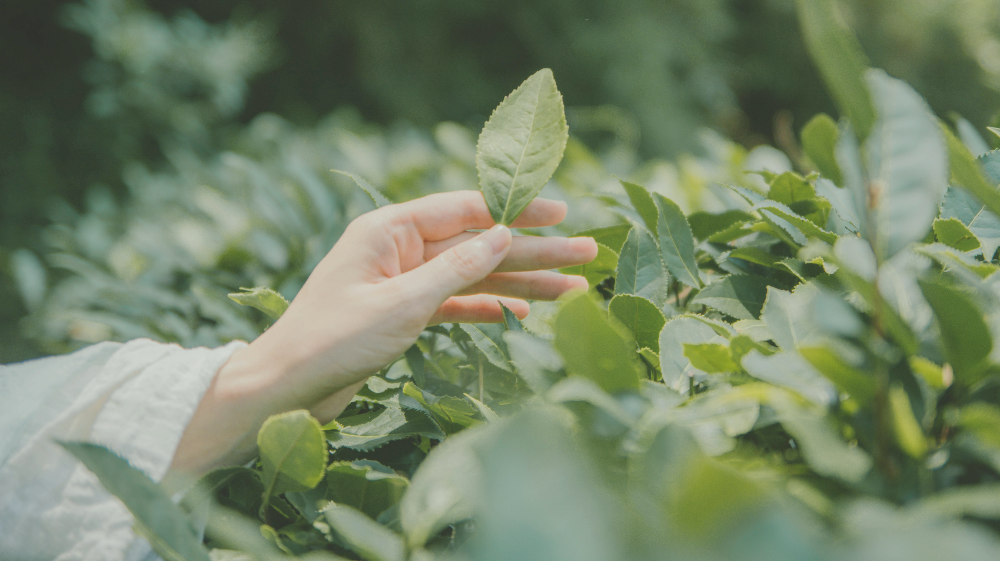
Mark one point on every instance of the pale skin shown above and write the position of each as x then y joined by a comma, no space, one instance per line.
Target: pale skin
395,271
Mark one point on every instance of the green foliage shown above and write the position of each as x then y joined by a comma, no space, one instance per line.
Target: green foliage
261,298
793,367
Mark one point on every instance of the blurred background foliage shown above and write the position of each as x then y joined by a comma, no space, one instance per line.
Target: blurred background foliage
154,151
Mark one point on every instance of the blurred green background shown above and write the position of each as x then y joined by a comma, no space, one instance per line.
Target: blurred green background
111,110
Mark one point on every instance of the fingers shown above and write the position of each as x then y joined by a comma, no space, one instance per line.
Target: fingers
457,268
536,285
529,253
480,308
443,215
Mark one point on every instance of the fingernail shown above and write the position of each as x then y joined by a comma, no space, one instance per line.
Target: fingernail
497,237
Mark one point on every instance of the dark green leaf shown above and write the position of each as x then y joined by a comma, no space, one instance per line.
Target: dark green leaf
640,268
365,485
705,225
738,296
521,146
979,180
369,539
369,431
857,384
676,242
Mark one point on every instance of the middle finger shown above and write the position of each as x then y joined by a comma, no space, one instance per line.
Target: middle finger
529,253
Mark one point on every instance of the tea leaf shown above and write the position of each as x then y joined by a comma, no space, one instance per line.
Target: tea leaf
964,333
640,268
979,181
643,203
292,453
374,194
819,139
521,146
676,242
157,518
365,485
710,357
369,539
951,232
738,296
592,348
642,318
262,298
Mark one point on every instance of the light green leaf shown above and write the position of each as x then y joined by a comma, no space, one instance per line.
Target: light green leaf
964,333
840,60
602,267
907,166
789,316
492,347
966,203
798,227
819,139
292,453
157,518
263,299
521,146
909,435
592,348
676,242
640,268
643,203
710,357
374,194
857,384
369,539
738,296
365,485
642,318
952,233
949,258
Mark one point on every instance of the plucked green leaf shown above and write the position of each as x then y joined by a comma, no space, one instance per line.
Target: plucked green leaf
521,146
592,348
262,298
676,242
641,317
840,60
951,232
369,539
374,194
964,333
292,453
819,139
738,296
643,203
640,268
157,518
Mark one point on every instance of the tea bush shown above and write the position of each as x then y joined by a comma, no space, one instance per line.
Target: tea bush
798,364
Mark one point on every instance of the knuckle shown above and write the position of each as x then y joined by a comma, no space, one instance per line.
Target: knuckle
467,260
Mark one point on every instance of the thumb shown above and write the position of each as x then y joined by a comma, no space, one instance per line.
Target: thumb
460,266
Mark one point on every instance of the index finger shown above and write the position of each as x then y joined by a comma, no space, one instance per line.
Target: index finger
442,215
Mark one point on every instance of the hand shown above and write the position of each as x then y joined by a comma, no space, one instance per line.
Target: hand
393,272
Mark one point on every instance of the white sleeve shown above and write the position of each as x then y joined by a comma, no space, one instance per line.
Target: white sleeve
135,398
